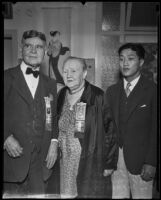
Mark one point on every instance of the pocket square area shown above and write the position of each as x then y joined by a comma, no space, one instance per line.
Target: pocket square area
143,106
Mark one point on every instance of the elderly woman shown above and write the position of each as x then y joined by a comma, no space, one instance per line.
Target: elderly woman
86,136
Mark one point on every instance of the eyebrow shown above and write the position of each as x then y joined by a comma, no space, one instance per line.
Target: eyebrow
131,54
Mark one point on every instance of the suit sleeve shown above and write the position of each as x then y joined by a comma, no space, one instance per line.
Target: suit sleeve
111,146
151,157
7,90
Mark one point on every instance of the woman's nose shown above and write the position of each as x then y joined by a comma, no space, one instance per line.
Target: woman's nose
68,74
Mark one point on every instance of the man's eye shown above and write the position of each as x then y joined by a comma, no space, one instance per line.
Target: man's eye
27,46
39,47
131,58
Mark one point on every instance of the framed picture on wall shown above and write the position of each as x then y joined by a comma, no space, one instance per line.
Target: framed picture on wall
56,50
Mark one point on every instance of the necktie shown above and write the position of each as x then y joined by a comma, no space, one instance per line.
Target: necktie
127,90
30,71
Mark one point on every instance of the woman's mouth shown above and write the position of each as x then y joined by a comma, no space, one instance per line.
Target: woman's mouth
69,80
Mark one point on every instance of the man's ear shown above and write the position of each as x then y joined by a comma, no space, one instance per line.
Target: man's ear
46,49
141,62
20,48
85,74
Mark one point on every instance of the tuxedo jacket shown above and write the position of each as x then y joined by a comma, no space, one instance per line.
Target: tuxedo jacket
140,137
19,118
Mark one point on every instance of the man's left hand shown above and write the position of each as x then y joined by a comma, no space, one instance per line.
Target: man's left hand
148,172
52,154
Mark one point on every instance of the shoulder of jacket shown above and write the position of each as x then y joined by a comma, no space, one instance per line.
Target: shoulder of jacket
10,70
113,86
47,78
62,91
9,73
97,95
96,90
149,83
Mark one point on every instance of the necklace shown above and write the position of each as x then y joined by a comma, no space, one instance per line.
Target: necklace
74,97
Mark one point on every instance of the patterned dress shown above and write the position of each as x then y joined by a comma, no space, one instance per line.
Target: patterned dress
71,151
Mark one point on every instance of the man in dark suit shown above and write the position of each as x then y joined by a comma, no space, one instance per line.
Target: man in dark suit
30,120
133,101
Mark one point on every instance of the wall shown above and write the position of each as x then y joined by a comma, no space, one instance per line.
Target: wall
83,31
86,40
29,15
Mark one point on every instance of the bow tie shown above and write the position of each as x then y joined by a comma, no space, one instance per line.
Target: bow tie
30,71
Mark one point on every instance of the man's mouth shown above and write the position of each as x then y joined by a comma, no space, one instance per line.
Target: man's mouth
33,57
125,69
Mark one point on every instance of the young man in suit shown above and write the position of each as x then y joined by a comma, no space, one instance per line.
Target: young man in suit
30,120
133,101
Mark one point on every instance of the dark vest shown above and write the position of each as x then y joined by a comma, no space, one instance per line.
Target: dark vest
37,120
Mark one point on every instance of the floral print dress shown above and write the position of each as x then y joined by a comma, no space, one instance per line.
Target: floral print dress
71,151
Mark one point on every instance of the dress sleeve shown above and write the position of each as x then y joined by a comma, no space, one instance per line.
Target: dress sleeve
54,111
110,142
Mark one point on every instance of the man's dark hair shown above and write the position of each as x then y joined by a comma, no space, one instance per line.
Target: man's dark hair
33,33
138,48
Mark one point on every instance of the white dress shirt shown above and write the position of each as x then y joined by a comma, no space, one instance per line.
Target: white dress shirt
31,81
133,83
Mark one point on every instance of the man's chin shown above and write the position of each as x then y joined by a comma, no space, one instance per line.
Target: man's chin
34,65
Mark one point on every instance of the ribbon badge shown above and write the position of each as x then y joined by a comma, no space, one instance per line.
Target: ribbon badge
48,123
80,119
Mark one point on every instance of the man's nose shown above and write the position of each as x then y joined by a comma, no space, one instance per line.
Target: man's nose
33,49
125,62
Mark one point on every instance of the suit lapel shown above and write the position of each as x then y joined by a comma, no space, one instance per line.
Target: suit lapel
136,95
40,91
20,85
43,89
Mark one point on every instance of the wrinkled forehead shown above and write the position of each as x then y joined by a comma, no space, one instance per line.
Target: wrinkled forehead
33,40
73,64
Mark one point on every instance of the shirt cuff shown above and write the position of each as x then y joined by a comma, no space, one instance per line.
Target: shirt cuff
56,140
